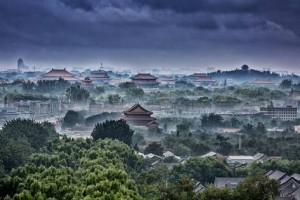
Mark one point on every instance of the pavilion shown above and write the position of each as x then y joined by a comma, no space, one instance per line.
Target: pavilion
139,116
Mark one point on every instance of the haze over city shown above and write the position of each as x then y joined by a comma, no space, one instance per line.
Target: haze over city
149,99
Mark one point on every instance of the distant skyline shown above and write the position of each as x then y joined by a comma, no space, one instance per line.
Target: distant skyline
151,34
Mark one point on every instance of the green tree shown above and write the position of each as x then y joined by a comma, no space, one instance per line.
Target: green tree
260,128
213,193
211,120
99,90
286,83
28,129
77,94
245,67
183,127
181,190
28,86
72,118
13,152
258,187
127,85
224,146
119,130
201,169
155,148
75,169
114,98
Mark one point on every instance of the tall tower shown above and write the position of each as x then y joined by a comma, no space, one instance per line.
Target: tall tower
240,141
21,66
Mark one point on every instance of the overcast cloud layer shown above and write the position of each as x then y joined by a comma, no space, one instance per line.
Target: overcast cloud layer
151,33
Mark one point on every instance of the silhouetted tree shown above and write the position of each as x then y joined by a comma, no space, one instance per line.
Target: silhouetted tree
119,130
155,148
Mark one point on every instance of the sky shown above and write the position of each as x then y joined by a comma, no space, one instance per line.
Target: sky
151,34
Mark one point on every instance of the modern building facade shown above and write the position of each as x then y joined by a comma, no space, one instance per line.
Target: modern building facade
284,113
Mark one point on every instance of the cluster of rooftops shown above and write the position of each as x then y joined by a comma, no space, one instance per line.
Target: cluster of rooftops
141,79
289,188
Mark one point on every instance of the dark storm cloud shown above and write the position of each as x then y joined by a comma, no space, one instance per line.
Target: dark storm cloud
145,28
188,6
81,4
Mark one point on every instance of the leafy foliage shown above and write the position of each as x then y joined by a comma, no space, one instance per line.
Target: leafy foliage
155,148
72,118
75,169
46,86
211,120
119,130
77,94
100,118
202,169
35,133
19,138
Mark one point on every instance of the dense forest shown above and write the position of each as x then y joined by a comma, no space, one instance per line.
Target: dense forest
48,167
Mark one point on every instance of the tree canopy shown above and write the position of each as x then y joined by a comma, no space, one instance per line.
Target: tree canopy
75,169
119,130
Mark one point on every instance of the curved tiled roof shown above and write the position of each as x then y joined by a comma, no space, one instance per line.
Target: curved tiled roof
58,73
137,109
99,74
263,81
145,76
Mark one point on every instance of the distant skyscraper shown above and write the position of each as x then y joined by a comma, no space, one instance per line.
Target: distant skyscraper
21,65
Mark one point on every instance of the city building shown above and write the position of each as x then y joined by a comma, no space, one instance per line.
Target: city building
56,74
202,79
87,81
227,182
99,76
38,109
138,116
263,82
145,80
289,188
294,94
239,160
167,80
283,113
293,99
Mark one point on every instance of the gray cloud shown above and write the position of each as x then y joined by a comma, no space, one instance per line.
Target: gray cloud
156,31
217,6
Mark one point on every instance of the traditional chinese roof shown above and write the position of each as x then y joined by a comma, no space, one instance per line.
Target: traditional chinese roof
59,73
143,76
263,81
166,78
198,187
152,123
205,79
197,75
139,119
277,175
137,109
87,80
99,74
201,77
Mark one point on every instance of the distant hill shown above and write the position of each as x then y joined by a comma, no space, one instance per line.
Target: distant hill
247,74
